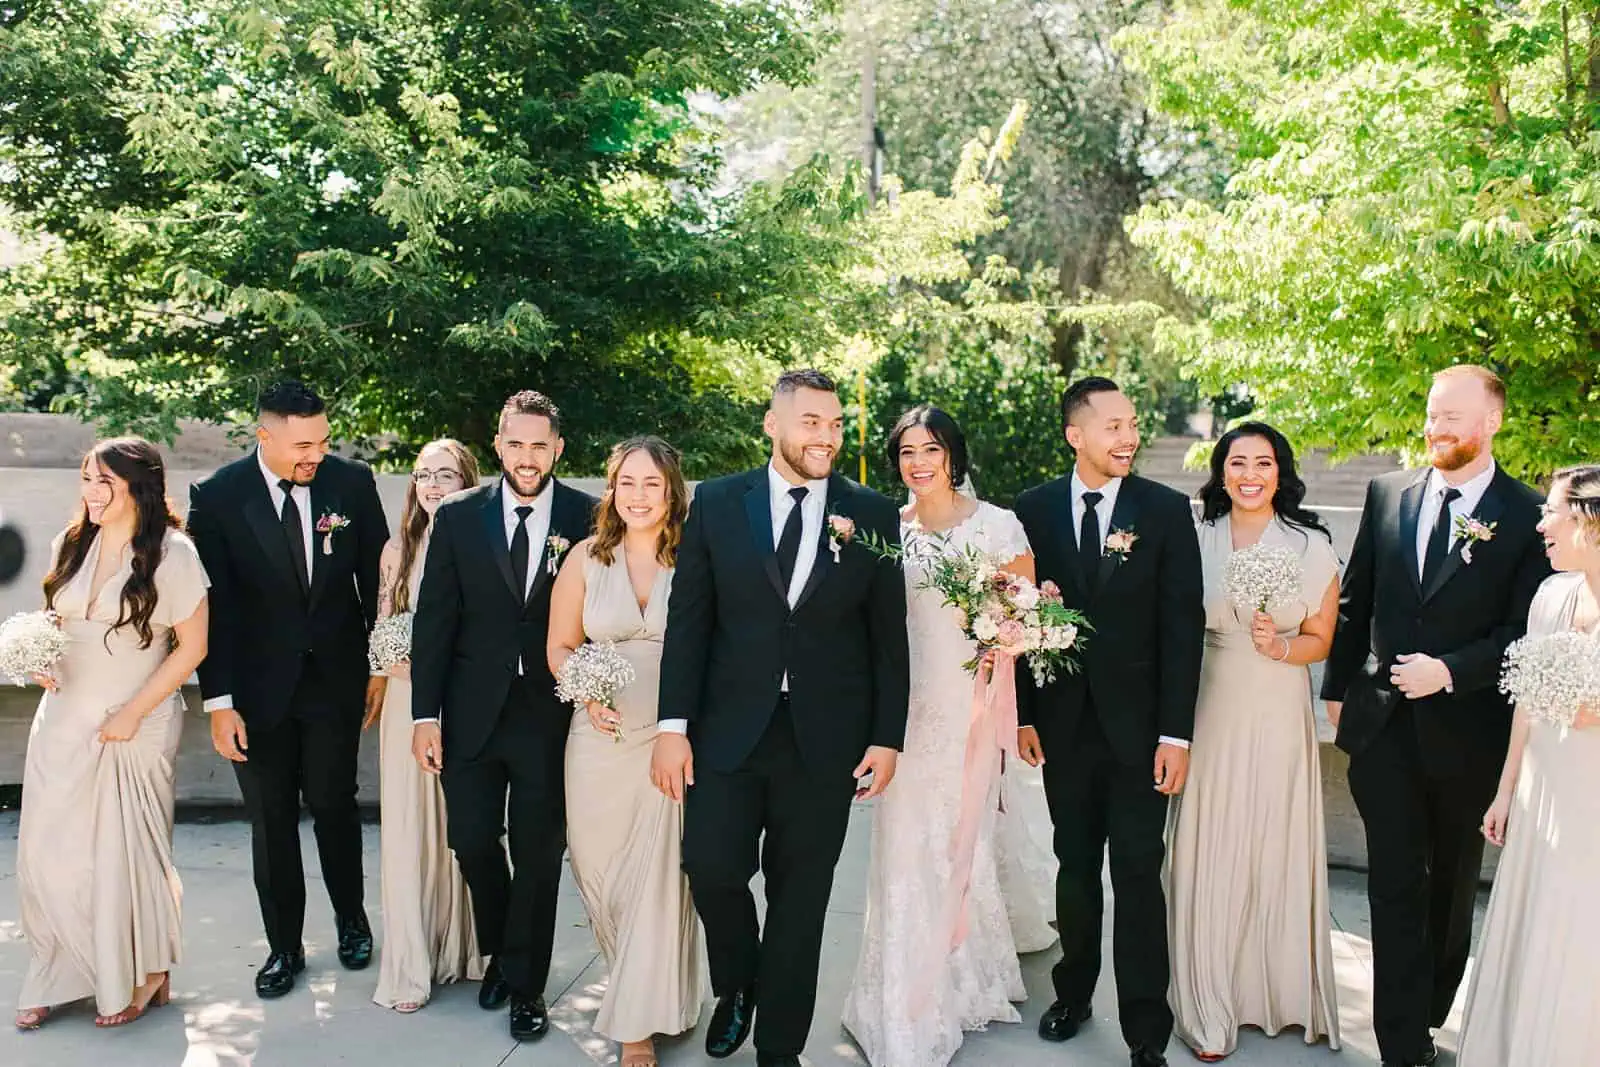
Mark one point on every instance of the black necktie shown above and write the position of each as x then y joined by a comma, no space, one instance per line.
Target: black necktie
789,541
294,534
519,551
1089,539
1439,540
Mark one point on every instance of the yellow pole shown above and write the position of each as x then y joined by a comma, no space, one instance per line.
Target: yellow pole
861,401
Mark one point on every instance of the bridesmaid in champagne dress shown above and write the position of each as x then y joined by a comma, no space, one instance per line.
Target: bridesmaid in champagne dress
1247,878
622,834
96,883
428,934
1535,997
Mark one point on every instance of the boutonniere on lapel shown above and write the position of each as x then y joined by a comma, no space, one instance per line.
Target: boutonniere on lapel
841,531
330,523
1120,543
555,547
1473,532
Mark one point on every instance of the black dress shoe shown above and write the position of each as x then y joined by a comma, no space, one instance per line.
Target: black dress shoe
276,976
530,1020
764,1060
730,1023
1427,1059
1060,1022
1144,1057
355,943
493,992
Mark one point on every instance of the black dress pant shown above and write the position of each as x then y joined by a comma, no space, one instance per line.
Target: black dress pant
310,755
513,790
1095,800
1424,853
804,813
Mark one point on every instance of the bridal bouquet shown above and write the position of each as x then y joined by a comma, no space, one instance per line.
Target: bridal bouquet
390,642
1554,676
30,643
595,672
1261,576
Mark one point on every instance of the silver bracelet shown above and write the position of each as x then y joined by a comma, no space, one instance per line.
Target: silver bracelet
1287,648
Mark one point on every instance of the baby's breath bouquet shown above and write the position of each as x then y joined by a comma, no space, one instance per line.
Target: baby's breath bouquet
1261,577
1554,676
595,672
31,643
390,642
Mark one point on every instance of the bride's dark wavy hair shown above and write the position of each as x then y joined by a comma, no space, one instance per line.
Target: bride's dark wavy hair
137,462
1288,502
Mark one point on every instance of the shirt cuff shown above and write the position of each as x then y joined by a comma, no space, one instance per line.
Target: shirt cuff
673,726
1176,741
225,701
419,722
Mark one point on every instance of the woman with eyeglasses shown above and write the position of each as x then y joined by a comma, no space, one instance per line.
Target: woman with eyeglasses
427,915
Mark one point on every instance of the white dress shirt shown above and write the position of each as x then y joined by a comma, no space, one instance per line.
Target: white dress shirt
1102,510
813,511
1462,506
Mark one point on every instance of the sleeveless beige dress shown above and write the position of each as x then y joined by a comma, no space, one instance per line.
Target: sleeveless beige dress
623,835
1535,996
99,895
428,934
1247,878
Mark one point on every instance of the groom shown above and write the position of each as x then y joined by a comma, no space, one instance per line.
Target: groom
784,683
1124,552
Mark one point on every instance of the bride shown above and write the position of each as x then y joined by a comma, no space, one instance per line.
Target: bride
913,997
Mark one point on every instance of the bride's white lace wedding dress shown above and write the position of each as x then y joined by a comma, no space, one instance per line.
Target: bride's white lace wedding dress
911,1003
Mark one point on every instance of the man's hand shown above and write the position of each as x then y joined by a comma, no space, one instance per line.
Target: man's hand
1418,675
377,686
1335,709
1172,769
880,763
1028,746
427,745
228,736
672,765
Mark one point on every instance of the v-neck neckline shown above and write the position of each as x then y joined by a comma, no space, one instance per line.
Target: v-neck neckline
633,597
92,564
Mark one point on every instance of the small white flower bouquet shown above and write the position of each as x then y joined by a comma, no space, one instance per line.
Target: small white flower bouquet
390,642
1554,676
31,643
1261,577
595,672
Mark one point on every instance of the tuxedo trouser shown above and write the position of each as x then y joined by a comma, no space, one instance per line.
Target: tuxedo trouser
804,814
1094,800
1424,854
310,754
513,791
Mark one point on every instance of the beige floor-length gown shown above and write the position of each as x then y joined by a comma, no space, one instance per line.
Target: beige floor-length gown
1247,877
100,897
1535,997
428,933
623,835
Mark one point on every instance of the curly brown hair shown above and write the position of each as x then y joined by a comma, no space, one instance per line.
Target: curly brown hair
609,526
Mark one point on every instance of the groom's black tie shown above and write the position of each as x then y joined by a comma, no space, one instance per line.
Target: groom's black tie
1089,540
519,552
789,540
1439,540
295,534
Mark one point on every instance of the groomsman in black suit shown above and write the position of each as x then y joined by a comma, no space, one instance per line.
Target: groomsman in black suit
484,705
290,537
1124,552
1444,568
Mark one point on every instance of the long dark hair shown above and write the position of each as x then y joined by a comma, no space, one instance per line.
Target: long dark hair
137,462
414,521
609,527
945,431
1288,502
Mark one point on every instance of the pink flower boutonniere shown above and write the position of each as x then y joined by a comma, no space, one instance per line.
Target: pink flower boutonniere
1472,532
841,531
330,523
555,547
1120,543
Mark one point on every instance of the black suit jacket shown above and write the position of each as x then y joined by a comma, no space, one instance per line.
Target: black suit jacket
731,634
1141,661
1466,617
472,625
263,629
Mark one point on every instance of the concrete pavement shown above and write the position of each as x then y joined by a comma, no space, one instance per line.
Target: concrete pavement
215,1020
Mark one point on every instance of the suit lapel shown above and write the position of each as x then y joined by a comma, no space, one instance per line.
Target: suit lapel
1124,517
1490,507
539,557
836,503
758,509
494,529
266,524
324,501
1073,570
1410,516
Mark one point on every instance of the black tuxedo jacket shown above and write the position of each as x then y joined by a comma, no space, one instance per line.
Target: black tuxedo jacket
1141,662
263,629
1466,617
731,634
472,625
